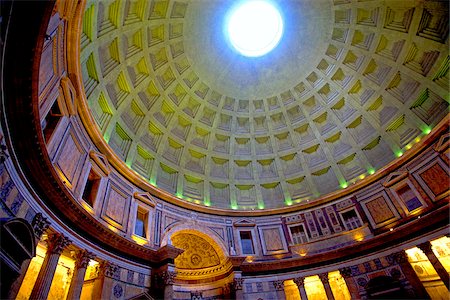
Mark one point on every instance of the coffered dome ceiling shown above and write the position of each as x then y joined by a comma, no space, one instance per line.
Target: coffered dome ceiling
351,86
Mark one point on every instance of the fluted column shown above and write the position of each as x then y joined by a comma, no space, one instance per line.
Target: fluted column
56,244
401,258
279,287
82,259
326,284
300,282
440,270
346,273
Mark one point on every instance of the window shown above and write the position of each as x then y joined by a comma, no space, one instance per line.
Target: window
409,198
351,219
140,227
298,234
246,242
91,188
50,121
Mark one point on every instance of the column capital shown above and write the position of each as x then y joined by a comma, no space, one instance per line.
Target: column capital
399,257
82,258
278,285
107,269
40,224
425,247
237,283
324,278
299,281
57,243
345,272
168,277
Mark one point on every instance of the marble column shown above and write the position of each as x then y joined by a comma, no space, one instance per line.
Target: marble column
401,258
82,259
300,282
346,273
440,270
326,284
106,273
237,288
279,287
56,244
168,278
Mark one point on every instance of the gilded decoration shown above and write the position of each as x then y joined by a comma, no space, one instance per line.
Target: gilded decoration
198,253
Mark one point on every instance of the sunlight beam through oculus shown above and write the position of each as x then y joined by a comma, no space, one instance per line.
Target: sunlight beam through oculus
254,28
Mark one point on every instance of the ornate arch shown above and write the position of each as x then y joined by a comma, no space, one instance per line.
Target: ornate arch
205,256
200,230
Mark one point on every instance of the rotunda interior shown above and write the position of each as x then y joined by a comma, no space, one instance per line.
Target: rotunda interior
145,154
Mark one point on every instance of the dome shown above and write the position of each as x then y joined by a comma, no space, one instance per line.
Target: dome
143,157
340,97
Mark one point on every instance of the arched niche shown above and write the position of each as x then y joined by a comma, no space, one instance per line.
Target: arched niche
17,245
205,258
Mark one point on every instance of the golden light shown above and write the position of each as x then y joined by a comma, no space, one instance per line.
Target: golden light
358,237
139,240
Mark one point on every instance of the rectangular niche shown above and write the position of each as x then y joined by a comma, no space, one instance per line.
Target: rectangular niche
116,206
408,197
273,239
434,178
380,210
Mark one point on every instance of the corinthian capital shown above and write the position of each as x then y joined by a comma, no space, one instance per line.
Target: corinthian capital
299,281
40,224
82,258
57,242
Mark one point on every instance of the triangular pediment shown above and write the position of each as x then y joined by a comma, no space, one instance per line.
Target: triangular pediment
101,161
244,223
69,94
395,177
145,198
443,143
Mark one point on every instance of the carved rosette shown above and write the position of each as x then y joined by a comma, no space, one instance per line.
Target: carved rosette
57,242
40,224
346,272
82,258
237,283
278,285
299,281
324,278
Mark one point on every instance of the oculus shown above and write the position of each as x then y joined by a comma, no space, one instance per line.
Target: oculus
254,28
